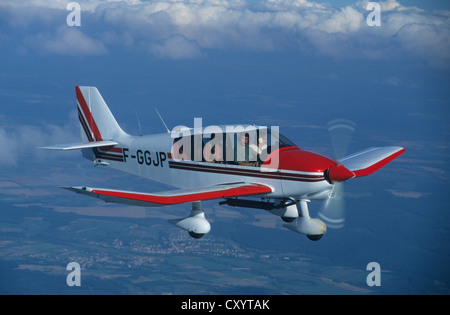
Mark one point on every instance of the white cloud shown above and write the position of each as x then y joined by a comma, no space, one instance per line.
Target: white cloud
346,20
67,41
176,47
20,142
187,29
433,45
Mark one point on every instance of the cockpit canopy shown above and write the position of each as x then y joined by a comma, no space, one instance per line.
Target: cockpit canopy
240,145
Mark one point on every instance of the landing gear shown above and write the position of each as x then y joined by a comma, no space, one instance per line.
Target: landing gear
196,235
288,219
314,229
314,237
195,224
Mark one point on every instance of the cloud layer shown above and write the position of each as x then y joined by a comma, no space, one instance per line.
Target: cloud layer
188,29
21,142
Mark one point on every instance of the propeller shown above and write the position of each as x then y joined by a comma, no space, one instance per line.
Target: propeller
333,210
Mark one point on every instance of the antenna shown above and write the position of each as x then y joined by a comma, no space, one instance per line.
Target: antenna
139,123
168,131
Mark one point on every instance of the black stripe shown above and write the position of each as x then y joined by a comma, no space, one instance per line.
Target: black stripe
98,154
85,127
245,172
257,171
105,156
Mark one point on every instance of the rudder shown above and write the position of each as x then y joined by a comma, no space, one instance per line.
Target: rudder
97,121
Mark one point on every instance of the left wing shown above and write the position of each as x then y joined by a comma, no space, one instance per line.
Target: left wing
85,145
172,197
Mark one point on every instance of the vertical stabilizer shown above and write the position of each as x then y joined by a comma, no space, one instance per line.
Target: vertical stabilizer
97,121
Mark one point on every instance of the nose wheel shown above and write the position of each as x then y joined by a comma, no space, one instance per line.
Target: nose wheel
314,229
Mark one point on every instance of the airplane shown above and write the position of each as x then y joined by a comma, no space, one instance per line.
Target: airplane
236,164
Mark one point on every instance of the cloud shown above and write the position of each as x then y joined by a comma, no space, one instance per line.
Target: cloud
188,29
176,47
20,142
407,194
434,43
66,41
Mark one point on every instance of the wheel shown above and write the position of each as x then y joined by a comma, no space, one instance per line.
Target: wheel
315,237
288,219
195,235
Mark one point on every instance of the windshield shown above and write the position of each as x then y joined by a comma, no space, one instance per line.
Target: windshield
282,140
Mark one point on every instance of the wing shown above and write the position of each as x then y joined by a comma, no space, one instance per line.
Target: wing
85,145
370,160
173,197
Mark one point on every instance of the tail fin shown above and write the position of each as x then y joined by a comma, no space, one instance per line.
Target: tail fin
100,131
97,121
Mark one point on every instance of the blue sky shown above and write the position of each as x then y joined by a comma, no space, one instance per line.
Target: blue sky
295,64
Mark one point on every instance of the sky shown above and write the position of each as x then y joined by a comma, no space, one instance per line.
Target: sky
293,64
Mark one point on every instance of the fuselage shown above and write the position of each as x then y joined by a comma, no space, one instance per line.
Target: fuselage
287,169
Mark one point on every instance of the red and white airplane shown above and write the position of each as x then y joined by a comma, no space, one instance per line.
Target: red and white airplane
237,164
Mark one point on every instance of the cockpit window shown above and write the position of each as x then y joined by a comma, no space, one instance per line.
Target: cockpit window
248,146
282,140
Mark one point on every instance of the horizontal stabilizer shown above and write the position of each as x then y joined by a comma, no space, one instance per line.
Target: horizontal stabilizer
172,197
77,146
370,160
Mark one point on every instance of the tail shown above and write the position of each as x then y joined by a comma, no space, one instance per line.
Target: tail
98,126
101,134
97,121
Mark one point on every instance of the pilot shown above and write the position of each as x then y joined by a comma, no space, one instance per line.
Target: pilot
258,149
262,145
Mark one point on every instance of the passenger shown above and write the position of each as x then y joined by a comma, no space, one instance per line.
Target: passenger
213,154
178,152
242,154
218,153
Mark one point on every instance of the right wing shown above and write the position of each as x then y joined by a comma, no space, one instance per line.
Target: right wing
173,197
370,160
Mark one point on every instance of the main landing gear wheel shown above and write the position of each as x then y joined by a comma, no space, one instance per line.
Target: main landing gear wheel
314,237
195,235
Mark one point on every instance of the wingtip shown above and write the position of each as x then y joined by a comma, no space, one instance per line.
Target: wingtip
74,188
